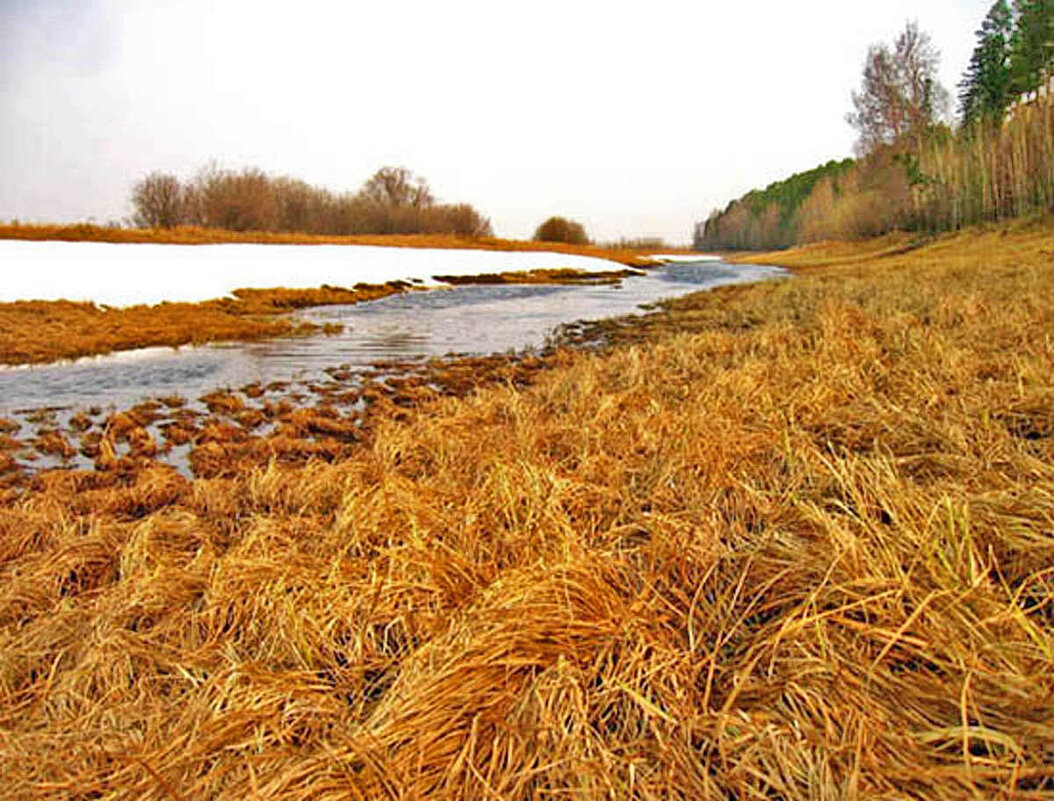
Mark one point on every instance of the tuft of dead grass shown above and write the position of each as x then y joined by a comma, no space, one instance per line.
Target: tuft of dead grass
791,540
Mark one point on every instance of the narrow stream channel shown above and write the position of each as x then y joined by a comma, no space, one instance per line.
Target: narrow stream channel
73,400
418,325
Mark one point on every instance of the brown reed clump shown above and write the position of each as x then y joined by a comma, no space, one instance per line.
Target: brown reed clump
222,402
53,443
791,540
9,443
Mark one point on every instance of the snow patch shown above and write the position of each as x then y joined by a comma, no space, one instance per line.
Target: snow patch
128,274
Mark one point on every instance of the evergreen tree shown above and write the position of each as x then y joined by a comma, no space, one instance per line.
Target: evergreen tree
1033,44
985,90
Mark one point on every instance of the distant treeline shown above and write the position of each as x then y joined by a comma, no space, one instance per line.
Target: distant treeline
392,201
767,218
916,171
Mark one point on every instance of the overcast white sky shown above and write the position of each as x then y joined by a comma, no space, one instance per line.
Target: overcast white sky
634,118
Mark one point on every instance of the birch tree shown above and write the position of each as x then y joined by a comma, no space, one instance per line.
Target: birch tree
900,97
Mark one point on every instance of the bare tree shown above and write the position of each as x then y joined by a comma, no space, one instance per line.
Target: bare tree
397,187
900,96
158,201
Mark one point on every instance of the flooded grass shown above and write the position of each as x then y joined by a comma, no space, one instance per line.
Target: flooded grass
790,540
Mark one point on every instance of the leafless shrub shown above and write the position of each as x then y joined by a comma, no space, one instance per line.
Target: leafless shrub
559,229
158,201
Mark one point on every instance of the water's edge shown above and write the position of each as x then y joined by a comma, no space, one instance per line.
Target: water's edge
75,399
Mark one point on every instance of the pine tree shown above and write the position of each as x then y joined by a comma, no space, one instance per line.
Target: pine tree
985,90
1033,44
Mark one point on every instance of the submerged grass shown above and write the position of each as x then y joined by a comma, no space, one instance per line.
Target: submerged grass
790,540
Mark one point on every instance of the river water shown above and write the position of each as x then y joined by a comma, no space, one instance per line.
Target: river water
417,325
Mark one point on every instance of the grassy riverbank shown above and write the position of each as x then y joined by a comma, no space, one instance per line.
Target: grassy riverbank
34,332
784,540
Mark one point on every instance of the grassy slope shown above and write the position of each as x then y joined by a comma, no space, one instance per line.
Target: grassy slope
789,540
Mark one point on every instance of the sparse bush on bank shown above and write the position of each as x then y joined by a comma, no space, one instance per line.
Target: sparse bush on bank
159,201
654,244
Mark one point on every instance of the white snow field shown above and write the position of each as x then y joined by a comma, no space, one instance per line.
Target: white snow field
129,274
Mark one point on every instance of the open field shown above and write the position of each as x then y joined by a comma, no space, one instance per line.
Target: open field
785,540
191,235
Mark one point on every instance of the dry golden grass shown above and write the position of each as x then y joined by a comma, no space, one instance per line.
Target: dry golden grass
834,253
191,235
792,540
42,331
